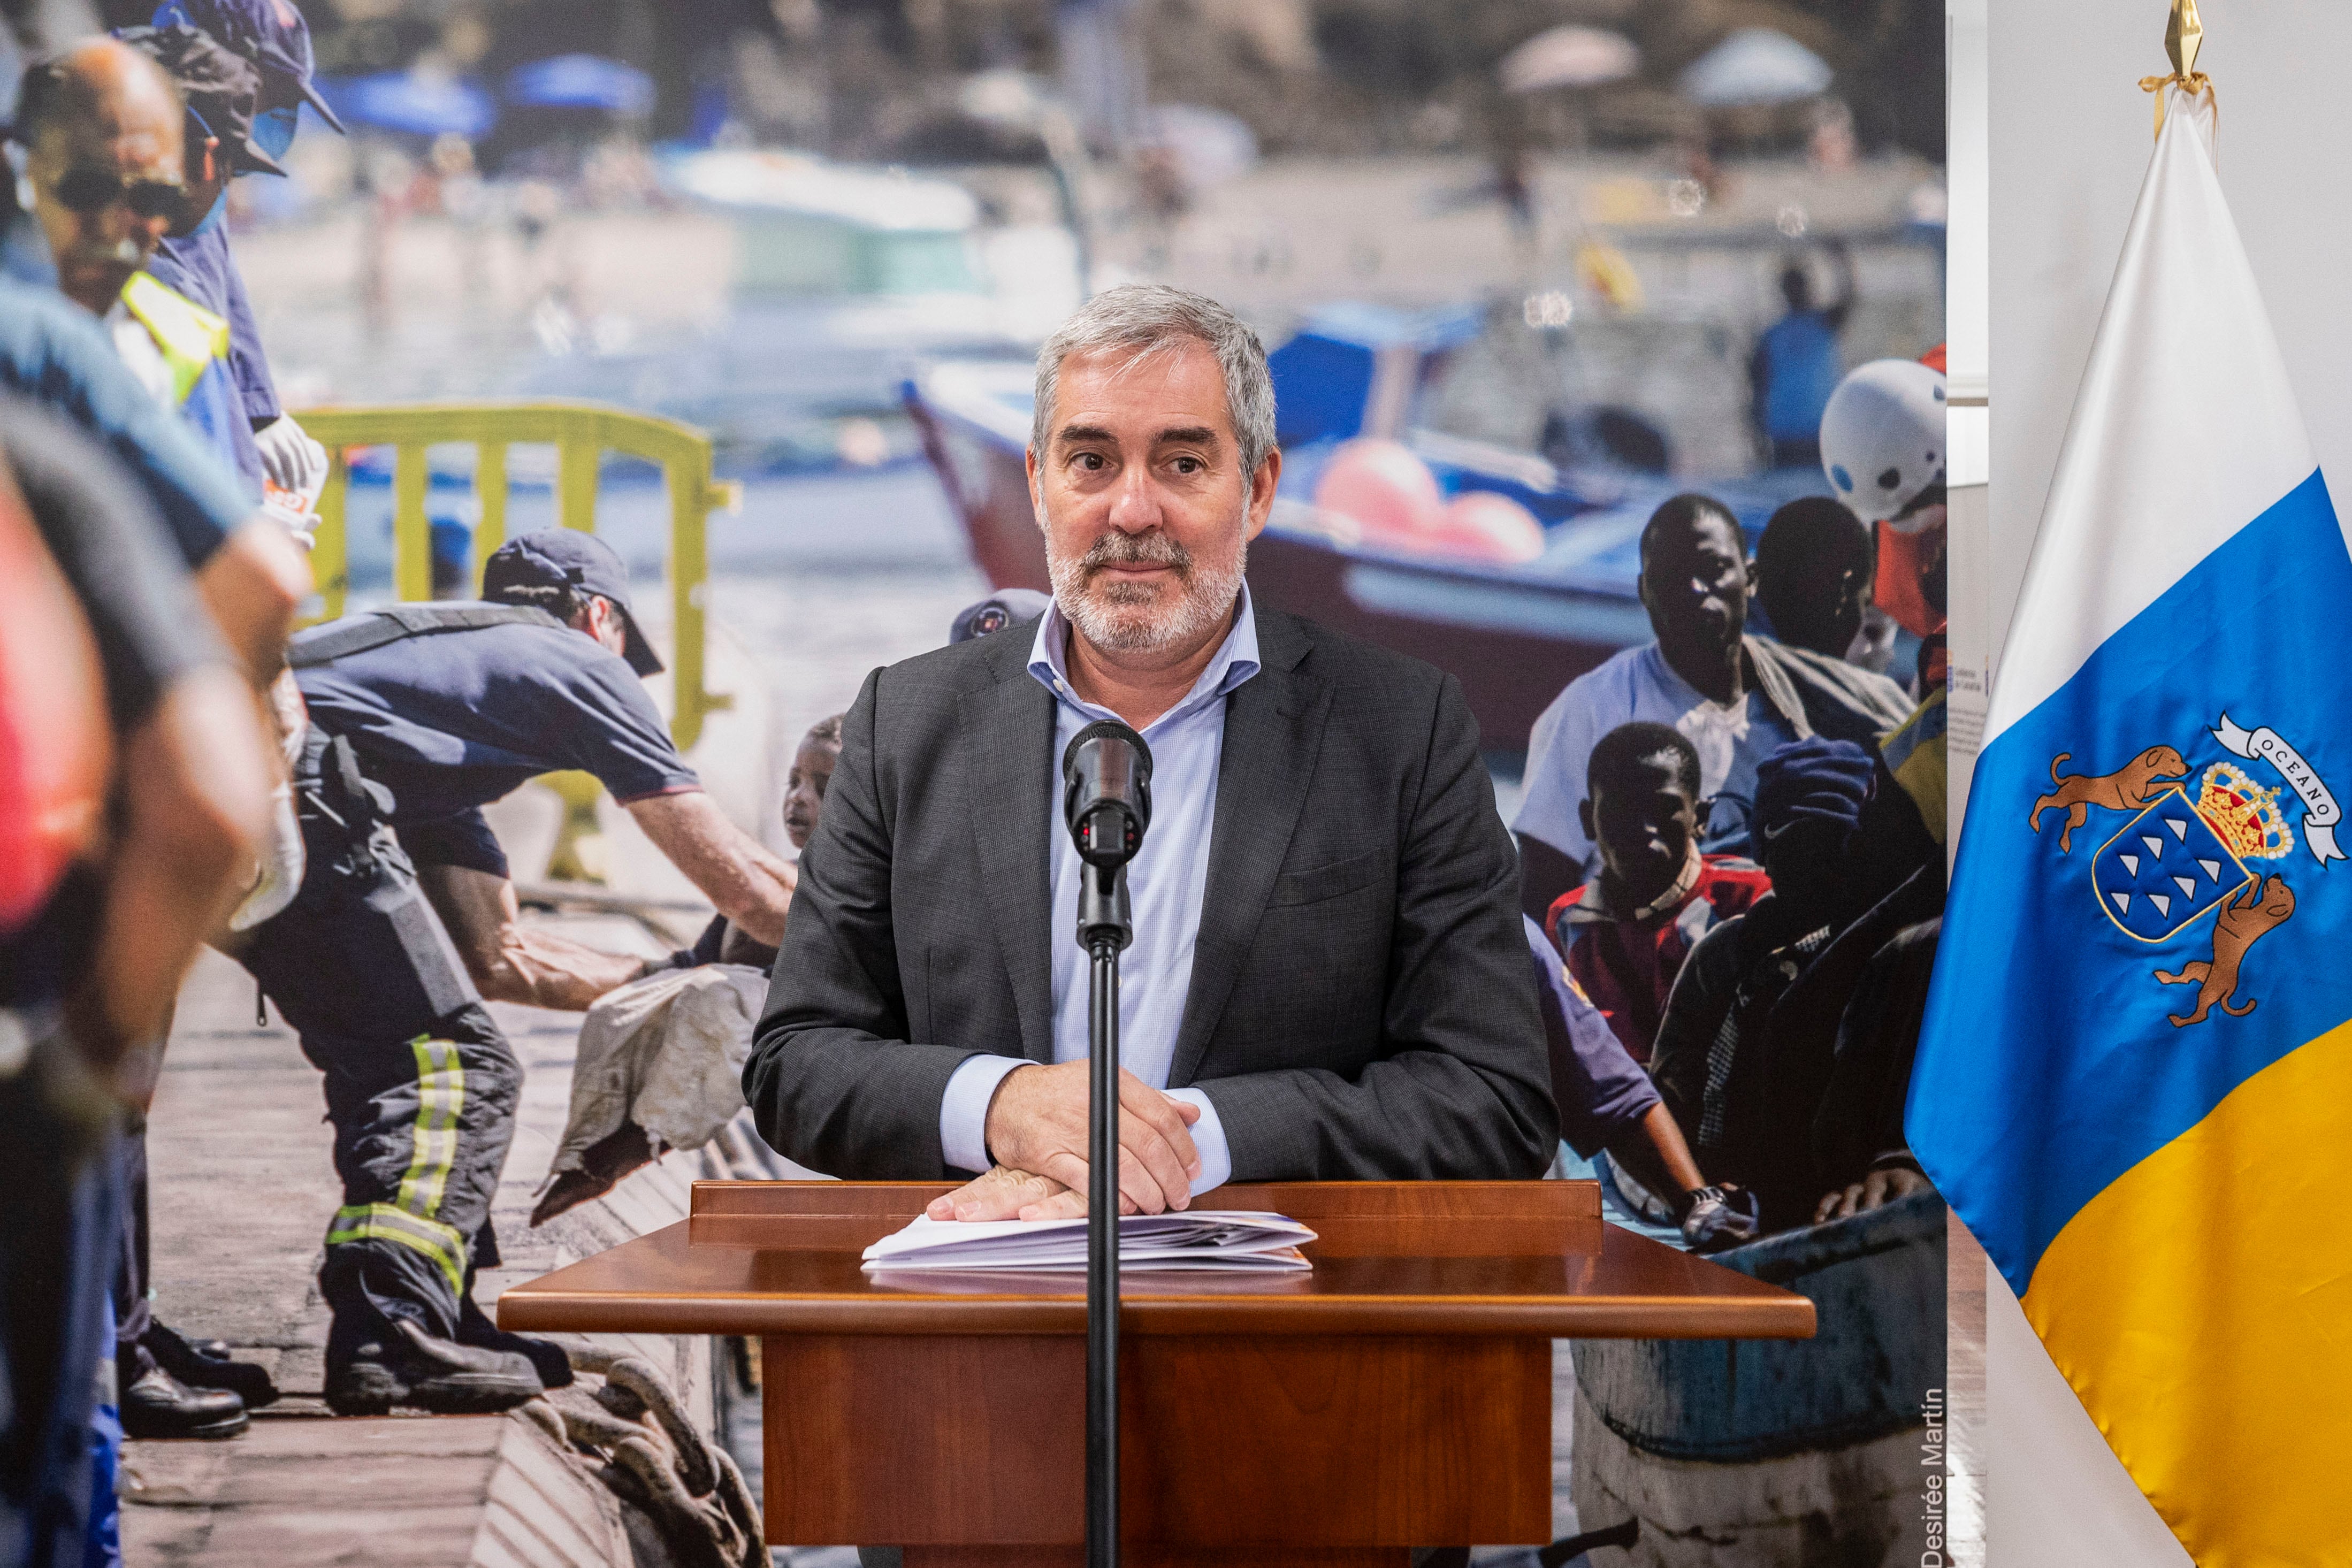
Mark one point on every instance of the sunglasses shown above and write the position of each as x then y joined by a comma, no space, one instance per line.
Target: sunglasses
88,190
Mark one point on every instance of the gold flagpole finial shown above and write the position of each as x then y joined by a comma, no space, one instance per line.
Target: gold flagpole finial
2183,34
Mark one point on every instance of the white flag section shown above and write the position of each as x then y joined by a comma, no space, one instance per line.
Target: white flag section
2183,432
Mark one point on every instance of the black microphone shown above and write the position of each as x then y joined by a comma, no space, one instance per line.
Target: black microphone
1106,802
1106,792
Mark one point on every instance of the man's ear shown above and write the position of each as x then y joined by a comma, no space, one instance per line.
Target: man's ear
1263,484
1036,486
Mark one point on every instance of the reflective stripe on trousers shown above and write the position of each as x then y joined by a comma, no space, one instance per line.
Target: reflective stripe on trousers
409,1219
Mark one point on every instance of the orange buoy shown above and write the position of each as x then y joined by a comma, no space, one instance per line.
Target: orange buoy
1484,525
1384,487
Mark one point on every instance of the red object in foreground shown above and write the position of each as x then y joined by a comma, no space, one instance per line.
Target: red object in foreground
55,748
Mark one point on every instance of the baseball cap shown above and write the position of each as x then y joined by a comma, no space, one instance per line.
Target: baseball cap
996,611
269,33
220,87
566,557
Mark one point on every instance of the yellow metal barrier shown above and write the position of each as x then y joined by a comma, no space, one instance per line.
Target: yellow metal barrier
581,433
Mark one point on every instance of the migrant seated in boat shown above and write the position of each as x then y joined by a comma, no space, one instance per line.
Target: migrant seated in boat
1626,932
1736,696
661,1058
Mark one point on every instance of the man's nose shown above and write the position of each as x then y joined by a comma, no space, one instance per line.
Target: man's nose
1135,505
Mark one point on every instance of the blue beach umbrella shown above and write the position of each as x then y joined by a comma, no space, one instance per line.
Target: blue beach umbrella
581,82
1754,66
418,104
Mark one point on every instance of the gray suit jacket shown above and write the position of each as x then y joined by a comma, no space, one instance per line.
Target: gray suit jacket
1360,1003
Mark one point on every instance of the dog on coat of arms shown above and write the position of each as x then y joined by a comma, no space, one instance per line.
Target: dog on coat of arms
2131,788
2241,921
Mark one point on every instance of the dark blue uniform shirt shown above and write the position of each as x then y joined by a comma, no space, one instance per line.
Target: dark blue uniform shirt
450,721
200,266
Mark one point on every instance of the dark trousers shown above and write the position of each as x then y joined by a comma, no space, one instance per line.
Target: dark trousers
58,1211
132,1313
421,1086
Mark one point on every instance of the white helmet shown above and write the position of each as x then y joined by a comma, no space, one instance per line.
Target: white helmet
1883,437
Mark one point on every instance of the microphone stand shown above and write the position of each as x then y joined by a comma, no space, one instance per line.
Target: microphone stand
1105,926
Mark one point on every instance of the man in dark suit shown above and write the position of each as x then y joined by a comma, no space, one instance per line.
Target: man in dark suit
1328,979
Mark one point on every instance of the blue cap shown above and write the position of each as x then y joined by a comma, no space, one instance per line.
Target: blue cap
566,557
269,33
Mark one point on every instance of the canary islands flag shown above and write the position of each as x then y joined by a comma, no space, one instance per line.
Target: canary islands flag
2134,1080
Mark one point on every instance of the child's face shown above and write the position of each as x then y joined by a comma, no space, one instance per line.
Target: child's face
1645,822
804,788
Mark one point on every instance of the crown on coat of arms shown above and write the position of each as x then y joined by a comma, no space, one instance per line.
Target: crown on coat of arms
2244,814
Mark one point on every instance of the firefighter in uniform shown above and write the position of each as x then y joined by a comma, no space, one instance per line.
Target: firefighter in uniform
406,923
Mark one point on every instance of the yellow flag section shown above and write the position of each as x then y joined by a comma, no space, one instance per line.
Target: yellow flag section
2201,1306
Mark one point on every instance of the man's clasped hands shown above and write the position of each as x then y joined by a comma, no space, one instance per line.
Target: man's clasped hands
1037,1138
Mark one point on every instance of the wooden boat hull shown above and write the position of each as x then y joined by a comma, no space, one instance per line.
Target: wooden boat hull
1791,1453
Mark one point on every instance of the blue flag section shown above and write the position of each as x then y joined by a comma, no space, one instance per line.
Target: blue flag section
2143,916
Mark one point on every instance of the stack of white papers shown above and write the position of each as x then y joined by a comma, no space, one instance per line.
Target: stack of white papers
1226,1241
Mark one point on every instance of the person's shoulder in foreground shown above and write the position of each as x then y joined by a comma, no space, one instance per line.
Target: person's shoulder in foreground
55,352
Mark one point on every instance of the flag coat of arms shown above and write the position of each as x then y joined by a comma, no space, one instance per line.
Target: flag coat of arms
2134,1080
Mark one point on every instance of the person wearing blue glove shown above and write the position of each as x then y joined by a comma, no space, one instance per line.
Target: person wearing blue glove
1714,1043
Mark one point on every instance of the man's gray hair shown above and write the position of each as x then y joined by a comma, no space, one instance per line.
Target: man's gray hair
1143,319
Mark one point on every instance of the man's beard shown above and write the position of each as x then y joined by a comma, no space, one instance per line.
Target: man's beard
1131,617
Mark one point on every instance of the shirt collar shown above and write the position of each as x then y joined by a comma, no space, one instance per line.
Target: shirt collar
1236,659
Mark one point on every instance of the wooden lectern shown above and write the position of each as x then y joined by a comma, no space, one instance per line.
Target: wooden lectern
1398,1395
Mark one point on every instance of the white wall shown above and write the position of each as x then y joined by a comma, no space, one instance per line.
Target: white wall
2070,134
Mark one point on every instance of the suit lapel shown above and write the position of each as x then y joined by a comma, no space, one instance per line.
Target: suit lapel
1008,729
1274,728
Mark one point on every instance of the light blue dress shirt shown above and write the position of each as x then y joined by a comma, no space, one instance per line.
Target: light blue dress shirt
1165,882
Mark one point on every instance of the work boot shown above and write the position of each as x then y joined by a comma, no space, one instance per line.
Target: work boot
158,1405
409,1367
197,1364
546,1357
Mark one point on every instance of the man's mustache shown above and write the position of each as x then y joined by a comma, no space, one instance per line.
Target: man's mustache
1137,550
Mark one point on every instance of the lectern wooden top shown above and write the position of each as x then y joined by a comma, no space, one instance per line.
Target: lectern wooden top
1394,1258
